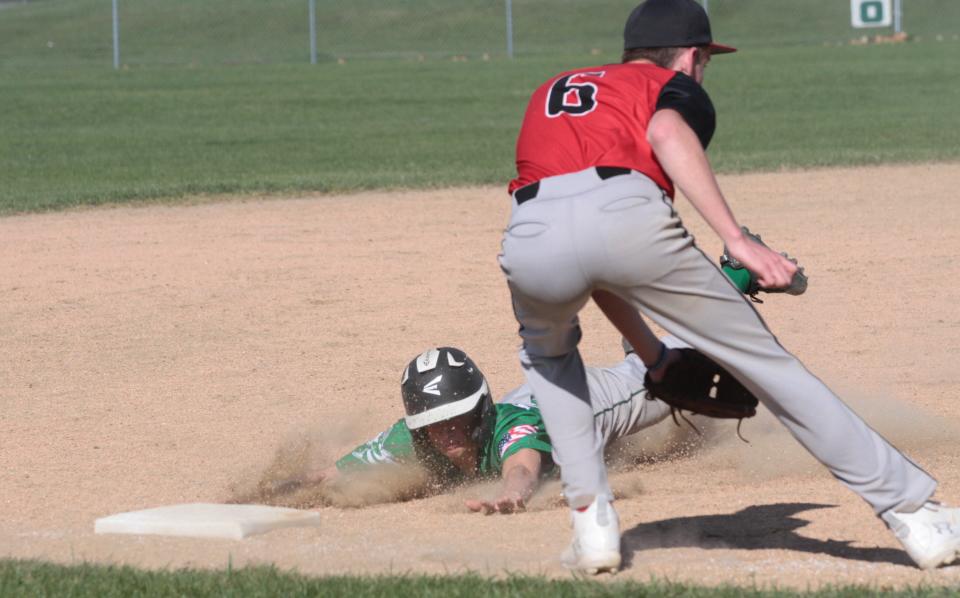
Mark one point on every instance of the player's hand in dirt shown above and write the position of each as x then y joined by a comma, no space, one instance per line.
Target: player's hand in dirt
270,488
317,476
508,503
772,269
292,484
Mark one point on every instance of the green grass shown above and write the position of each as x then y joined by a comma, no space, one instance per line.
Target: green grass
254,31
850,105
773,23
83,136
30,578
71,32
217,97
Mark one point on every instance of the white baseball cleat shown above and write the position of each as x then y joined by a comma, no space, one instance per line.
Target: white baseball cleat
596,539
930,535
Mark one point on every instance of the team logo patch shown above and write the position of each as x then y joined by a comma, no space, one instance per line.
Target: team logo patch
513,435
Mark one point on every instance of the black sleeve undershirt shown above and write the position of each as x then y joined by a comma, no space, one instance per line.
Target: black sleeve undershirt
683,94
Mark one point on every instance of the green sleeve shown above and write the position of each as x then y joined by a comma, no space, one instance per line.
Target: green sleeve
519,426
393,445
535,439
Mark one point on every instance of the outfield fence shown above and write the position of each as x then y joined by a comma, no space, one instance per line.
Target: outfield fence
186,32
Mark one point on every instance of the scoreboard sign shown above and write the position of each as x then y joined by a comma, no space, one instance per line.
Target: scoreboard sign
871,13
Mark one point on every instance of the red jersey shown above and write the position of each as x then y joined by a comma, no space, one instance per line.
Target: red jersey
598,116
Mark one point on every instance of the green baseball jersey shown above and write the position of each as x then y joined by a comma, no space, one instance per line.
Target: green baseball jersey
518,426
393,445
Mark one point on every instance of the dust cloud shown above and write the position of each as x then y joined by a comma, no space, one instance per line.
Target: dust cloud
772,453
667,441
766,452
280,482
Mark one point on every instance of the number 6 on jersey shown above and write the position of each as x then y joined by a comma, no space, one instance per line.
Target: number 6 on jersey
573,96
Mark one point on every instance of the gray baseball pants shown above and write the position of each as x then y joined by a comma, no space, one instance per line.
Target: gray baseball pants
620,403
621,234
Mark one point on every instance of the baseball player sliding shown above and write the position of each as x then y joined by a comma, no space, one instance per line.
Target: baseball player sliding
457,433
599,154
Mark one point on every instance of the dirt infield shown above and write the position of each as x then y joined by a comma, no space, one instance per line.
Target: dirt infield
158,355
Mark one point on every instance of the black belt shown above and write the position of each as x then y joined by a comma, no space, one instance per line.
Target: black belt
528,192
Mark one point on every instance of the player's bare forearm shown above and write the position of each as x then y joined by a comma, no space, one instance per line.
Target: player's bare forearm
520,482
678,149
630,324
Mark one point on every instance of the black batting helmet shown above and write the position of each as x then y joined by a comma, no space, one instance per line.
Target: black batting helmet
443,383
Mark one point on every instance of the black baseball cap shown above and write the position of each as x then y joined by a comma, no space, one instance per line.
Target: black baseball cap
670,24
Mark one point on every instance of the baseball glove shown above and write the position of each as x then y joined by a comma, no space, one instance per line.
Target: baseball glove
698,384
746,280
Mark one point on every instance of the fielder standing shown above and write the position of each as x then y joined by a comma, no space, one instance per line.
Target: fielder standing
599,155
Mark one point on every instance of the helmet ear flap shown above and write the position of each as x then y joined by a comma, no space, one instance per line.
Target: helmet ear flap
476,435
486,419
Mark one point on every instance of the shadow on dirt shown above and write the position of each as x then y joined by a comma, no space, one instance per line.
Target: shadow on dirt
760,527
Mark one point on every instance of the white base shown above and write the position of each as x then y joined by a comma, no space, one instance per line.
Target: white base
205,520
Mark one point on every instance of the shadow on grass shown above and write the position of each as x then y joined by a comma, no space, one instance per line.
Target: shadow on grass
760,527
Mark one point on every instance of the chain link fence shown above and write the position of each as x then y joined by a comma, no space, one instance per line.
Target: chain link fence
203,32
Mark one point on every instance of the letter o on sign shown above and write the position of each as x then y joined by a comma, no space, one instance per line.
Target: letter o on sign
871,13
